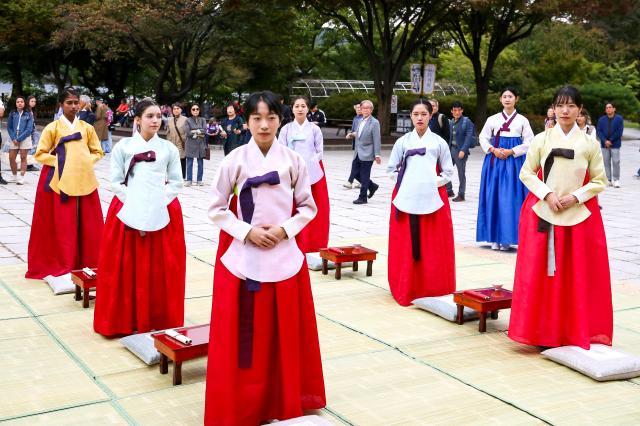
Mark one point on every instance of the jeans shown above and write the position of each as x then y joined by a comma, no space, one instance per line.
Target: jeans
611,156
461,165
190,168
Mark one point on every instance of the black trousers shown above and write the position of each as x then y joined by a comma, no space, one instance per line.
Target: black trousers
183,166
362,172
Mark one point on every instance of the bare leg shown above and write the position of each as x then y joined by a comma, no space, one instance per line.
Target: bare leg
12,161
23,161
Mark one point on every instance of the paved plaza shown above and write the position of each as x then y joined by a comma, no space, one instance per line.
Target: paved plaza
383,364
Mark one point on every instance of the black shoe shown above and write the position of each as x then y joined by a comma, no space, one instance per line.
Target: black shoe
372,190
458,198
360,201
32,168
2,181
451,194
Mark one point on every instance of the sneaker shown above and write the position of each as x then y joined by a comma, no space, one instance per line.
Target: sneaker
32,168
200,183
495,246
356,185
347,185
616,184
14,179
360,201
20,180
505,247
2,181
451,194
187,183
372,190
458,198
637,176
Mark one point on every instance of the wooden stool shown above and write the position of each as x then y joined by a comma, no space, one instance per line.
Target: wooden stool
485,301
340,255
170,348
84,283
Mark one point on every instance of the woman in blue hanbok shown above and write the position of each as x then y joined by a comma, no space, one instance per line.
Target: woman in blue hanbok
505,138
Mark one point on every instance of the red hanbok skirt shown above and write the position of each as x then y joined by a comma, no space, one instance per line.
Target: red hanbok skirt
315,235
285,377
574,306
435,273
140,279
54,246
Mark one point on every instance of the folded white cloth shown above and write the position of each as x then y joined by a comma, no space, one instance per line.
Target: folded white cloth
61,284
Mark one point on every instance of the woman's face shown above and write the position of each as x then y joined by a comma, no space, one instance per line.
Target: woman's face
263,124
176,111
71,106
20,103
195,110
567,113
150,121
508,99
420,117
581,120
32,103
300,108
231,111
550,113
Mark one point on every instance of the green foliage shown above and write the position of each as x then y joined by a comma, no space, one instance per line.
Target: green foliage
596,95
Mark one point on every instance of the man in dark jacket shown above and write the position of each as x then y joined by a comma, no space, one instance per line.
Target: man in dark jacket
609,132
462,130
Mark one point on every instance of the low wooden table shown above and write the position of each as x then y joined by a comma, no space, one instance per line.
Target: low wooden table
170,348
485,301
340,255
84,283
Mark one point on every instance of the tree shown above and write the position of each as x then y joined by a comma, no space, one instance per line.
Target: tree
388,32
484,28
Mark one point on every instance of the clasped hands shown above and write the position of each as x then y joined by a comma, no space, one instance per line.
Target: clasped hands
501,153
557,204
266,236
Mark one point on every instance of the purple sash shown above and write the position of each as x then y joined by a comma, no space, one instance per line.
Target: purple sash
504,128
247,291
61,156
147,156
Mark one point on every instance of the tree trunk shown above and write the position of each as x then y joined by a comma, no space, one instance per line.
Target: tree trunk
482,94
16,76
384,108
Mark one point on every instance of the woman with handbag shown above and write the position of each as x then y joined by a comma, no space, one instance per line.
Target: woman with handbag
195,147
176,134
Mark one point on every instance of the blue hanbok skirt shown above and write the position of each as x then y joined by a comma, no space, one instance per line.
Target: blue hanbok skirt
501,196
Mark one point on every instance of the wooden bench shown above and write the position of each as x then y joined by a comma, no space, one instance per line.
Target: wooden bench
484,301
340,255
84,283
178,352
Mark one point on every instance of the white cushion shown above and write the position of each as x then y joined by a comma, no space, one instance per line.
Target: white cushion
444,307
601,362
141,345
304,421
61,284
314,262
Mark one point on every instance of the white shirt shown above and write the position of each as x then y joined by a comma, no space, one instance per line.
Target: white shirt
146,195
306,140
519,127
274,205
363,122
418,192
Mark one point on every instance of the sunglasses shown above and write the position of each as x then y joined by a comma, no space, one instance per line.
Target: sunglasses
195,109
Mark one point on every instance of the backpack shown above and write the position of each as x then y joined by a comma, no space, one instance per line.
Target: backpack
109,116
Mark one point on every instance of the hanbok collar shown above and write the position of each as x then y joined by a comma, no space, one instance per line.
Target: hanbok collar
566,136
423,138
254,145
137,138
68,123
299,126
504,113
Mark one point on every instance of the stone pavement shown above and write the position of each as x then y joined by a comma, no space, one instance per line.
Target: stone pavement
383,364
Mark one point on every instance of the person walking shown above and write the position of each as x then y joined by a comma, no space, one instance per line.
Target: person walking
20,126
609,131
505,139
351,135
195,147
367,150
462,134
